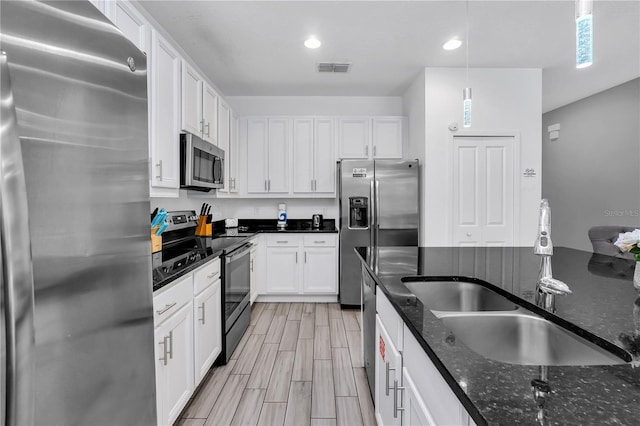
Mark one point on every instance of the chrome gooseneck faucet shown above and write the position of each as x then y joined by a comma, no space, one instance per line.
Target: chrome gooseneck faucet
547,287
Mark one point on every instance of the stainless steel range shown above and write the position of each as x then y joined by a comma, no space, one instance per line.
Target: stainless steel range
236,262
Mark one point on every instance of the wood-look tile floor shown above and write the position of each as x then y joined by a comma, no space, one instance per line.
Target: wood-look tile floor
297,364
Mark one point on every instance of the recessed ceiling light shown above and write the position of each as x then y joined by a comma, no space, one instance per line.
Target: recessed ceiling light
452,44
312,43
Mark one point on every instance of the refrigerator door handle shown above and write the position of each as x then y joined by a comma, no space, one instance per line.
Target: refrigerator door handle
372,217
377,203
16,268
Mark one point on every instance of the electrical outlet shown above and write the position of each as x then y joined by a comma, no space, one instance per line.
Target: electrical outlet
256,211
324,212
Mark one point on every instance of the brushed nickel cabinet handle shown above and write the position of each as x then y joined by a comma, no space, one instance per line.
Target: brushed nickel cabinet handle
163,358
208,126
212,275
166,308
159,166
396,388
366,151
171,344
305,257
203,313
319,242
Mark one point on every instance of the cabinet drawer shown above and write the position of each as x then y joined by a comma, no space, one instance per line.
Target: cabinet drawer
171,298
320,240
282,240
206,275
390,319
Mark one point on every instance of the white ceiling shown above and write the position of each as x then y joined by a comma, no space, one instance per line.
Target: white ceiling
255,48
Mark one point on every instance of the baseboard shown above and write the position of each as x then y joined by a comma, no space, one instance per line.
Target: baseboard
273,298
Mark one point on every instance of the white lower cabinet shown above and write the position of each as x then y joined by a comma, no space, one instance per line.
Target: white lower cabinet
388,378
207,332
301,264
415,411
174,364
409,389
188,337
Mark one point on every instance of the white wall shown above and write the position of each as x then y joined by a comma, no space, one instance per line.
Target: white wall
413,104
316,105
592,172
504,100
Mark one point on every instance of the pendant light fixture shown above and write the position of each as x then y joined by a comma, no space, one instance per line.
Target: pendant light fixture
584,33
466,92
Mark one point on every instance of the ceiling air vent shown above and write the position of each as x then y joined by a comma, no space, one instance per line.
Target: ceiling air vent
333,67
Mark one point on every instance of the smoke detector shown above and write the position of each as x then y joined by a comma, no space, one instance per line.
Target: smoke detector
333,67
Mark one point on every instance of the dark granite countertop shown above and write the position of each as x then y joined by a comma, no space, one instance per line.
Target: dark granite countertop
293,225
603,303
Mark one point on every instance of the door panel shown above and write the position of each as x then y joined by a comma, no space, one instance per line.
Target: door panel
303,155
278,155
397,193
256,155
483,185
325,160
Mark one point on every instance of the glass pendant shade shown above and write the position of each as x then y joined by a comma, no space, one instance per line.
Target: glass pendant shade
466,107
584,33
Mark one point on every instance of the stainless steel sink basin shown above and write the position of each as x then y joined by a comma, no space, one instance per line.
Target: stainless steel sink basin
525,339
458,296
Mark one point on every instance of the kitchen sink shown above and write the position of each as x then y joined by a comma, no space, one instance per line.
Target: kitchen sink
458,296
524,338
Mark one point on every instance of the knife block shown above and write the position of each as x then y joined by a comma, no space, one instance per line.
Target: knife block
204,229
156,240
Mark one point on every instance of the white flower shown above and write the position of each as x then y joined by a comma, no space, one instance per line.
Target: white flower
626,240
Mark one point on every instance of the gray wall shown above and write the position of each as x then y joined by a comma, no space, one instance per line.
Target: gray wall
591,174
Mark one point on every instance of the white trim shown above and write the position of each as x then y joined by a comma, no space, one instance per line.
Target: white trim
517,182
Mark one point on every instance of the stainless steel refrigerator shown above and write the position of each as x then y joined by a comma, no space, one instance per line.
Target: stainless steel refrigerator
378,207
76,330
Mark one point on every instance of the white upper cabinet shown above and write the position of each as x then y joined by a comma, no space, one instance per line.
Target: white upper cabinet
278,179
257,155
232,157
387,137
354,137
191,100
303,155
165,110
209,114
268,155
371,137
129,21
199,105
224,139
313,156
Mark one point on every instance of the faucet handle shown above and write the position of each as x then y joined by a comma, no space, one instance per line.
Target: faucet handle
554,286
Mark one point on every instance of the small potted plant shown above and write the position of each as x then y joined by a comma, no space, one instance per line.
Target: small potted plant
630,241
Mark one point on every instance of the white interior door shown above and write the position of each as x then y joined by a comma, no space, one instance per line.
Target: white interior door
483,191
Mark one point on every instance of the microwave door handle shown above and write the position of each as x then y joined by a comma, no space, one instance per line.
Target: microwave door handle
239,253
16,294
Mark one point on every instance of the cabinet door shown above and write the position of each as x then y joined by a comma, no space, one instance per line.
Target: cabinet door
282,270
257,155
159,341
354,137
209,114
388,370
415,411
224,135
387,137
129,21
319,270
174,344
303,155
324,156
165,111
278,155
207,329
191,101
233,154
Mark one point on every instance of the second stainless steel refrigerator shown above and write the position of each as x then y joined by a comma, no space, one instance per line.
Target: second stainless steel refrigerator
378,207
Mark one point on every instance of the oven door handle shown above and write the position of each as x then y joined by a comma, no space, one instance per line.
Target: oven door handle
241,252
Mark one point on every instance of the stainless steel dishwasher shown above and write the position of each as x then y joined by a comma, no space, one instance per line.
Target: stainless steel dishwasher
369,327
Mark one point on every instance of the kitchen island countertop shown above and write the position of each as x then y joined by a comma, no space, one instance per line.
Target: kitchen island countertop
603,303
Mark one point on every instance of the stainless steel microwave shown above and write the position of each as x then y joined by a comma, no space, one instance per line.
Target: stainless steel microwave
201,164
